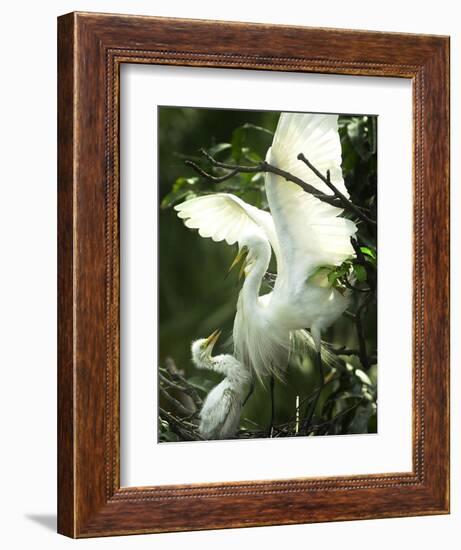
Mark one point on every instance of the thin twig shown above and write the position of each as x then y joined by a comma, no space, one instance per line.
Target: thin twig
349,315
214,179
173,385
178,425
358,252
338,199
187,387
181,421
252,422
308,398
307,421
348,285
176,404
342,413
263,166
345,201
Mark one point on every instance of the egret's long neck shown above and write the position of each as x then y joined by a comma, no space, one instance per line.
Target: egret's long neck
252,284
202,361
219,363
209,362
237,376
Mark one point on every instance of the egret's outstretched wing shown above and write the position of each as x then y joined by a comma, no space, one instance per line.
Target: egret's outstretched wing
311,233
317,137
225,217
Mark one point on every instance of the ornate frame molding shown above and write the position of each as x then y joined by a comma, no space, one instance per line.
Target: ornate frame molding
91,49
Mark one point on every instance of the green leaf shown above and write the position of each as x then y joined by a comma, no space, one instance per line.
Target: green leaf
368,252
332,277
163,425
238,141
249,126
172,198
218,148
168,436
370,255
182,188
257,178
238,138
371,261
321,269
182,182
363,377
360,273
361,418
320,276
343,269
250,155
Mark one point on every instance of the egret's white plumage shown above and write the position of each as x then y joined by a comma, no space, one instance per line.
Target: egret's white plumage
220,413
304,233
317,137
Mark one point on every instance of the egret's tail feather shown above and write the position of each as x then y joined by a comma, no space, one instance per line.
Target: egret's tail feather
303,342
270,356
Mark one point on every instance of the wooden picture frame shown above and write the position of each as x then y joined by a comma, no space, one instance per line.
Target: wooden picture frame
92,48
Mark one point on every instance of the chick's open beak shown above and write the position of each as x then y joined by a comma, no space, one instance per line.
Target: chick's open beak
212,339
240,256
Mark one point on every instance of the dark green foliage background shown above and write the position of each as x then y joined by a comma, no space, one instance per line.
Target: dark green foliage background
195,298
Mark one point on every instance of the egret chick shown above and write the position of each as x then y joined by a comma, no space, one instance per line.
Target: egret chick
220,414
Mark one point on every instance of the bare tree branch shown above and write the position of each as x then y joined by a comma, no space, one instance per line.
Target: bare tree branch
183,385
262,167
181,426
347,204
206,175
337,199
175,403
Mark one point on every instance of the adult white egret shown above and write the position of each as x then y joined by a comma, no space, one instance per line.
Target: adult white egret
220,413
305,234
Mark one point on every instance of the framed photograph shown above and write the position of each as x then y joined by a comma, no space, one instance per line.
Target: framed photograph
253,275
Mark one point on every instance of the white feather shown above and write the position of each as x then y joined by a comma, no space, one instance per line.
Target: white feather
224,217
220,412
317,137
304,232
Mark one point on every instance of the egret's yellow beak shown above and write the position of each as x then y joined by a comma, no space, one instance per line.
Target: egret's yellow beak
240,256
212,339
